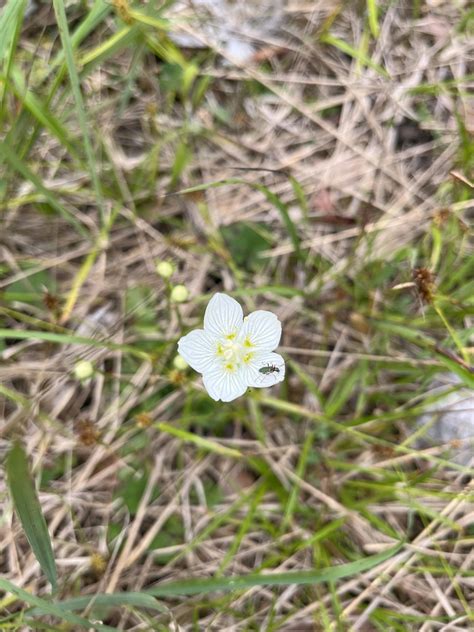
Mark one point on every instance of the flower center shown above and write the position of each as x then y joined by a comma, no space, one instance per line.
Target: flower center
231,350
234,352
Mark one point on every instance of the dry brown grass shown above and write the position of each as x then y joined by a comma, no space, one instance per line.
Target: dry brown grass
375,157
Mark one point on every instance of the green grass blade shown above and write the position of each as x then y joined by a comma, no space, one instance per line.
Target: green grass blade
20,167
82,275
245,527
114,600
283,210
80,108
52,609
49,336
157,23
271,197
28,508
240,582
372,11
463,373
342,391
116,42
300,469
200,442
210,185
41,113
99,11
300,196
353,52
97,14
10,19
363,436
12,32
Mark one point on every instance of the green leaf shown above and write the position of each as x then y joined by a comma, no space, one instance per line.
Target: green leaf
28,508
178,78
239,582
246,241
31,288
131,489
140,306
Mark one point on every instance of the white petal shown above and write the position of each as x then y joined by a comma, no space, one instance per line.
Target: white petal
274,366
198,349
262,330
223,316
222,384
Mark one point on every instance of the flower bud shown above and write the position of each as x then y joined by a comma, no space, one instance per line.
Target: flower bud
180,363
165,269
83,370
179,294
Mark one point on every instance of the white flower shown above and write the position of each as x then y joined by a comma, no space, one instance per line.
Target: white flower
233,352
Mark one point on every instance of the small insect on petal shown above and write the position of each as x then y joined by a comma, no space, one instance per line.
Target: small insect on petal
266,370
